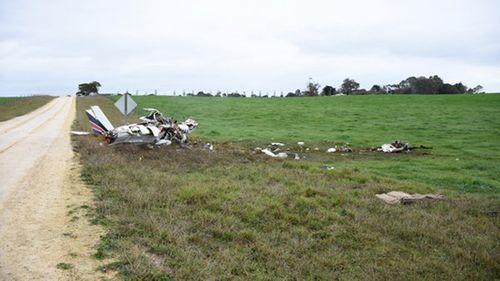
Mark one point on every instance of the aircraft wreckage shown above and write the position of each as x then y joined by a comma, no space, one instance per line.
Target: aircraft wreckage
154,128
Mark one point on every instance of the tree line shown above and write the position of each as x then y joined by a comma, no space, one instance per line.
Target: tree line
431,85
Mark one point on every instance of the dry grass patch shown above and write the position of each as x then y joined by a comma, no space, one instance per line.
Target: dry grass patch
13,107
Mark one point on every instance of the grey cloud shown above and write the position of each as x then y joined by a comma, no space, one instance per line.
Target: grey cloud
243,45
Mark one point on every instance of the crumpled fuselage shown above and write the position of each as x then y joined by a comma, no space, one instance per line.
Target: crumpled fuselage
153,129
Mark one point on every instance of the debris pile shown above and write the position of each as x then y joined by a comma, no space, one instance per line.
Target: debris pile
274,150
343,149
154,128
268,152
394,147
280,150
396,197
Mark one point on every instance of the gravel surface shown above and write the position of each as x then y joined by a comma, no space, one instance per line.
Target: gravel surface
42,201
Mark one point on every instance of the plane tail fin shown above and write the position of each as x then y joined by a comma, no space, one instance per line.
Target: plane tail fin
98,121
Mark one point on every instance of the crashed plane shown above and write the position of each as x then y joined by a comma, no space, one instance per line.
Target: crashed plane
154,128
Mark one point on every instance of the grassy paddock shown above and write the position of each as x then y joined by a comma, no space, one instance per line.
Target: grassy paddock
11,107
461,129
187,214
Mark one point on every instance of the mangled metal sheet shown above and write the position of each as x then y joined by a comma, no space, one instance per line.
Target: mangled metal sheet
394,147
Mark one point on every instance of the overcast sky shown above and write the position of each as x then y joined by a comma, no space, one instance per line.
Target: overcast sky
52,46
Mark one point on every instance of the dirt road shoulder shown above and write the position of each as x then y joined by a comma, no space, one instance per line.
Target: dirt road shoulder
44,234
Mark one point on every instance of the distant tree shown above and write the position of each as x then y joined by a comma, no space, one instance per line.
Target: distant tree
236,95
290,95
376,89
447,88
435,84
406,86
298,93
390,88
312,89
202,94
420,85
360,92
348,86
86,89
328,91
477,89
461,88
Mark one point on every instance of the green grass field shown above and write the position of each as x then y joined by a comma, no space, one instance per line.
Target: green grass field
4,100
188,214
11,107
463,131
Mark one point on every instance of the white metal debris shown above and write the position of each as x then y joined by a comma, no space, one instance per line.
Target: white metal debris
396,146
282,155
301,143
277,144
163,142
331,150
209,146
268,152
78,133
328,167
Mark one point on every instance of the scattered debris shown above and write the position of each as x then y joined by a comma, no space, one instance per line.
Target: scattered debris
277,144
79,133
154,128
396,146
328,168
331,149
344,148
277,148
282,155
163,142
268,152
209,146
395,197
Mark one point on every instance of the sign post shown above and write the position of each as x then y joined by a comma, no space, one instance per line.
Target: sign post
126,105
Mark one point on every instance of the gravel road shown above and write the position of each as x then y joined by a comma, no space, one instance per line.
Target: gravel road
42,221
